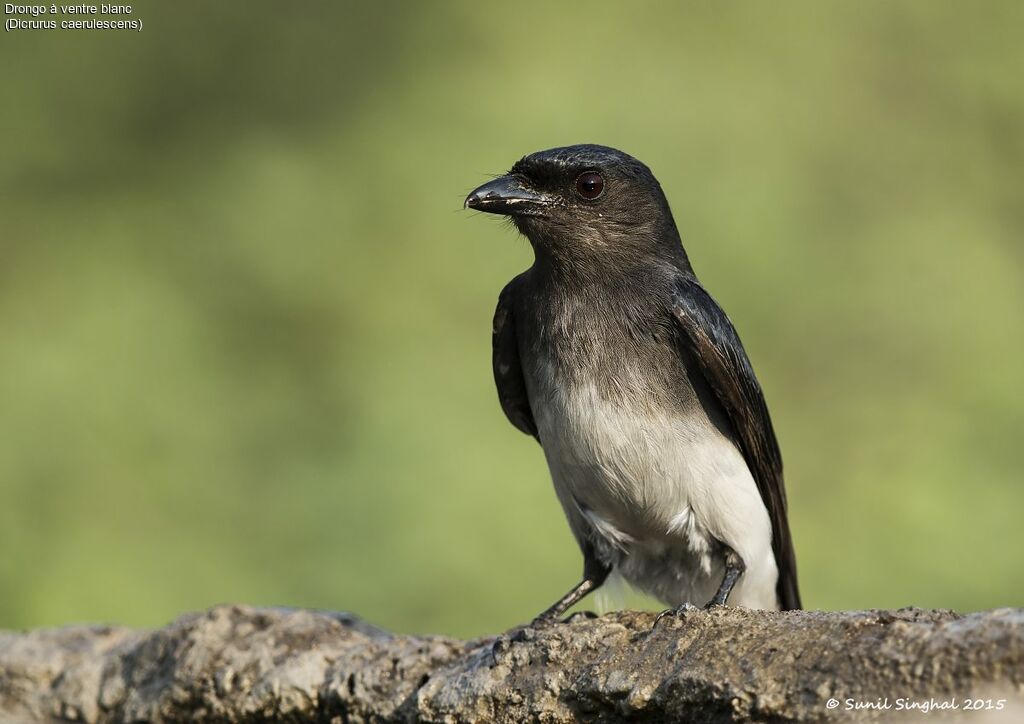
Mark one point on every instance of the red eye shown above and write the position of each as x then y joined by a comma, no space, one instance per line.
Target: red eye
590,185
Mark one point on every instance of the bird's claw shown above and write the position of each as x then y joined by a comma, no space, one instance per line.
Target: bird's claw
526,632
679,612
500,646
541,622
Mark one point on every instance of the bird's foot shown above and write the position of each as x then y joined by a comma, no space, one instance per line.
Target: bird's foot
517,634
679,612
542,621
528,631
503,642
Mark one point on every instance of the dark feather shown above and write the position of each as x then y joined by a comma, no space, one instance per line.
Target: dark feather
508,370
715,347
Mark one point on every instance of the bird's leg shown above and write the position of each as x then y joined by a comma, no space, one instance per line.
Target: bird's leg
734,567
594,574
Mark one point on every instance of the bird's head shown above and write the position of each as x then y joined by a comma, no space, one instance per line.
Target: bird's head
583,202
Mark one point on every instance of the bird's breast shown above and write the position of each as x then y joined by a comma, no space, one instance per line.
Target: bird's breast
623,432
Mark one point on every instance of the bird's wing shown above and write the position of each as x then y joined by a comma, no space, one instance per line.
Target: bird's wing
508,371
716,350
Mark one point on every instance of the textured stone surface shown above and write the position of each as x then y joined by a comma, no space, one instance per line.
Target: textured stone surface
239,664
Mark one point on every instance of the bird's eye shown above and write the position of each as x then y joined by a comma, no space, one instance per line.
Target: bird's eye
590,185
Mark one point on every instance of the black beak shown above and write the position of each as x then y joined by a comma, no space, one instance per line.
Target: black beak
507,195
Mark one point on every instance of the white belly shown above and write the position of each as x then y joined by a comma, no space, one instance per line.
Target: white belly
657,490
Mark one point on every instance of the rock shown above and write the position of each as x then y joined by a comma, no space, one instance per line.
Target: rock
241,664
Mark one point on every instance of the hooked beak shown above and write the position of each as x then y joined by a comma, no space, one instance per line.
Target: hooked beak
506,195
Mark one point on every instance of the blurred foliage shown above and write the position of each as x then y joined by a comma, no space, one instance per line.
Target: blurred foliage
245,324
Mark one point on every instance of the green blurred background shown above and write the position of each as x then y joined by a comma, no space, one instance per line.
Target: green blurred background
245,323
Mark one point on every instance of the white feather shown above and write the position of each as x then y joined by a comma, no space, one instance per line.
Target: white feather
658,488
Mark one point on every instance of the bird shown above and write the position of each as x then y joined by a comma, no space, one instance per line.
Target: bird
610,352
